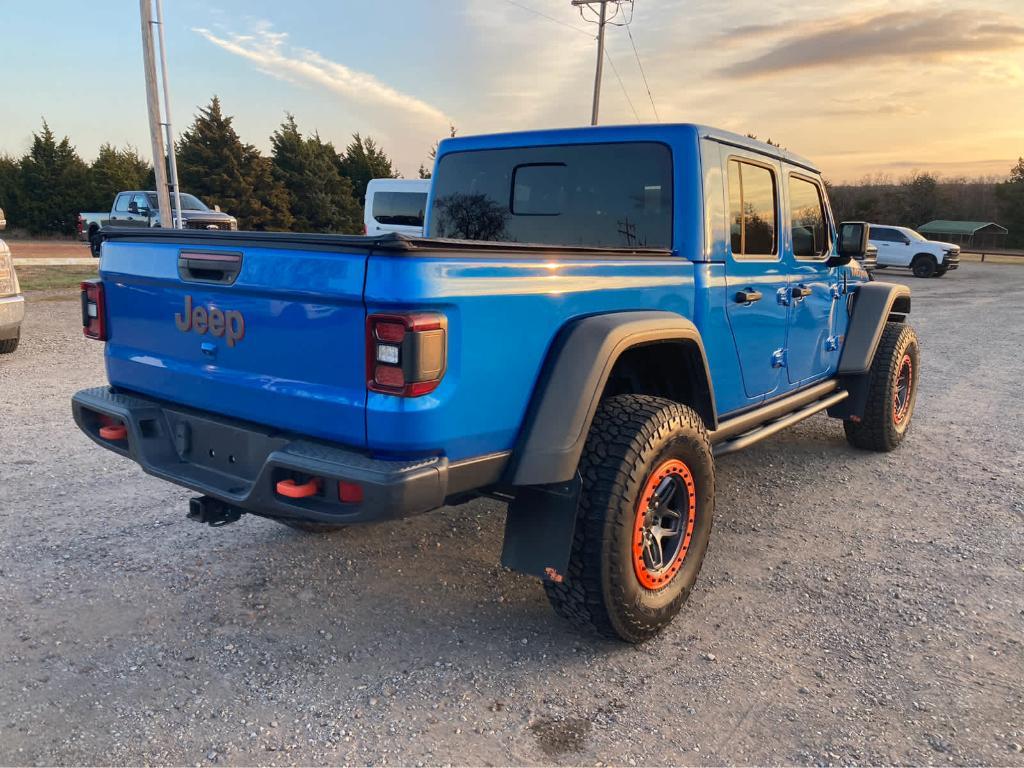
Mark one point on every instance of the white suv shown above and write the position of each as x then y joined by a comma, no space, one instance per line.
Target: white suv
903,247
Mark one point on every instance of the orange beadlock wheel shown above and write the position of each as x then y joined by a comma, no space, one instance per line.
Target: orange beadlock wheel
663,526
901,392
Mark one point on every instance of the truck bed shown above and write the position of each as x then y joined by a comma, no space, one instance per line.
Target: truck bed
300,366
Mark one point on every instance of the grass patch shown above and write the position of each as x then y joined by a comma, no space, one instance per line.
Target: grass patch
53,278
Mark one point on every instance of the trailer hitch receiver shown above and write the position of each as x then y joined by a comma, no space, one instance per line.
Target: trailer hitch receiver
213,512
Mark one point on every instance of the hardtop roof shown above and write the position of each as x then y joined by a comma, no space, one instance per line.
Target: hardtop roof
613,133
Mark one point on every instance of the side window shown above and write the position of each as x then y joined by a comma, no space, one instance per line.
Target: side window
752,210
399,208
882,234
807,219
141,202
121,204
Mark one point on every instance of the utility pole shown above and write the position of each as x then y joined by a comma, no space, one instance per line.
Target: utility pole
179,223
153,108
602,17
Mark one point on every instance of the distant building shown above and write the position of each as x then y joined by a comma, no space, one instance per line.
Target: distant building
967,234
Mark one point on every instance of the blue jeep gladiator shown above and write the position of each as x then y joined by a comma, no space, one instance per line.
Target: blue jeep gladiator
592,317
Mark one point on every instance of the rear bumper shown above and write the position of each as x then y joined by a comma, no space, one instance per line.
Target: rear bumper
241,463
12,312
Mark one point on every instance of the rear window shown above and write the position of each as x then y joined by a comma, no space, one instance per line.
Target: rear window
399,208
597,195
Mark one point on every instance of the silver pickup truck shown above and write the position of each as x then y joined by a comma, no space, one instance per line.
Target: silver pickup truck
138,208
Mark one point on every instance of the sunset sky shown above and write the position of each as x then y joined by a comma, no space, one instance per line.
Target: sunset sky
882,86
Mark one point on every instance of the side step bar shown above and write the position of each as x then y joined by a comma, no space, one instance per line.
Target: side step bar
755,433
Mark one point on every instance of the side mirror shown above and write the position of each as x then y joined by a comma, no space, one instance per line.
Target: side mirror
853,243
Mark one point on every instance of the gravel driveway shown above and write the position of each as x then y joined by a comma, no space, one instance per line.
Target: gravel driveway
854,607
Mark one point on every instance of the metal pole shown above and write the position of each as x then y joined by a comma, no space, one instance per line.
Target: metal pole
600,63
179,221
153,108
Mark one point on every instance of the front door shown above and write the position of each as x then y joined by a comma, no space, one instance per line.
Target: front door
815,288
755,274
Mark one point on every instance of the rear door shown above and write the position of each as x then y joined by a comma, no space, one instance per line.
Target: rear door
755,273
268,332
119,213
815,288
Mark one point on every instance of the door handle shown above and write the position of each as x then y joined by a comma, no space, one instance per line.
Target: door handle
800,291
748,297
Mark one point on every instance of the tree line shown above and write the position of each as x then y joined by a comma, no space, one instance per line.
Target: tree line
922,197
305,185
308,185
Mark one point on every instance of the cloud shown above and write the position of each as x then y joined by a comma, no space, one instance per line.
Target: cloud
900,34
270,52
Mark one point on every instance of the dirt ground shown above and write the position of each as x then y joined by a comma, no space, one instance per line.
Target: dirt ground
48,249
854,608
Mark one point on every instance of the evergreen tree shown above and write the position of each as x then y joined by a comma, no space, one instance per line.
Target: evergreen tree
53,182
115,170
427,170
10,183
320,198
214,164
364,160
1010,195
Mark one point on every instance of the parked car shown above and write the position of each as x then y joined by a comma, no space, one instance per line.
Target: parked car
594,316
395,205
903,247
12,303
136,208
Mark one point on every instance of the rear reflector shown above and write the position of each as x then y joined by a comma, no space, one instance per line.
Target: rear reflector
94,310
406,354
349,493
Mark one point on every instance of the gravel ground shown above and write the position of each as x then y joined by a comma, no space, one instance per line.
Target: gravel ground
854,608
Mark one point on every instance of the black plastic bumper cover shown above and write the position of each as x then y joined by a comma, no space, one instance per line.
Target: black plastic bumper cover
241,463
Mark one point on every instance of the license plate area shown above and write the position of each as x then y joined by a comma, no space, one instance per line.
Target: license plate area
225,448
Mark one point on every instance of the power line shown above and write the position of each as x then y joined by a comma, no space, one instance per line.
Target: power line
642,73
621,85
550,18
560,22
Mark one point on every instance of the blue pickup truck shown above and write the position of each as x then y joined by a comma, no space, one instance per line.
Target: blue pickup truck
593,316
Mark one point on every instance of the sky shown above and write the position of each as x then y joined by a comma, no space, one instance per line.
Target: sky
863,87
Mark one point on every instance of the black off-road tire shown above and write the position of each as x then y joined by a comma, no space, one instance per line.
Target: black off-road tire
9,345
95,244
633,437
924,265
309,526
882,428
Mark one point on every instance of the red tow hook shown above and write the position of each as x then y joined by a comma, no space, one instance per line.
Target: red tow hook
114,432
293,490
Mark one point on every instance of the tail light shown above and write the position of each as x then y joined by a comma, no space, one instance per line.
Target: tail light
80,225
94,310
406,354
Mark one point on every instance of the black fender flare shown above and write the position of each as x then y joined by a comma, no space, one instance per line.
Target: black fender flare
573,379
873,306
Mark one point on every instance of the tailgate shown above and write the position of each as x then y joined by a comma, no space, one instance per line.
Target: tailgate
265,330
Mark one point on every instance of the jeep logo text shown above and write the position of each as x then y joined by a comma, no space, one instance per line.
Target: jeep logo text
218,322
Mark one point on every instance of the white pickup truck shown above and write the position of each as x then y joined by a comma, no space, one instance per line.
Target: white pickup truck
903,247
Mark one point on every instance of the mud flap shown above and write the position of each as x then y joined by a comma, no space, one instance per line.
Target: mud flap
539,529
